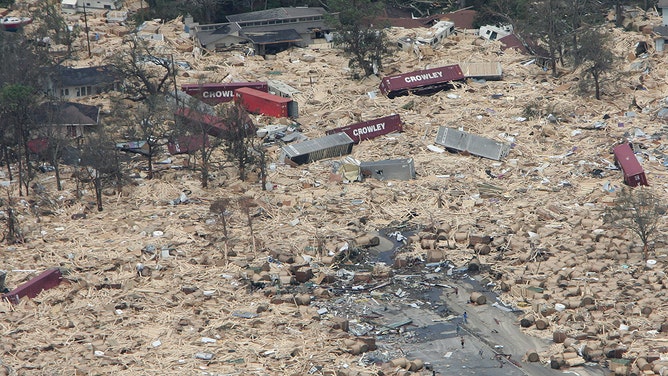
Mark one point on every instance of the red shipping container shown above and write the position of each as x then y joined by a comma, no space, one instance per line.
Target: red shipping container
213,125
421,82
634,175
371,128
48,279
187,144
214,94
258,102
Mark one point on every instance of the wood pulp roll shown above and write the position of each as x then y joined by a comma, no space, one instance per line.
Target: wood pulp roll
367,241
559,336
532,356
478,298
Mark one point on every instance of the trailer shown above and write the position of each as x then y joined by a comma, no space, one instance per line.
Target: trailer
477,145
216,93
259,102
187,144
422,82
200,122
626,160
370,129
333,145
389,169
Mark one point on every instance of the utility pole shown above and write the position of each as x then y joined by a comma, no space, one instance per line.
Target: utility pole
86,25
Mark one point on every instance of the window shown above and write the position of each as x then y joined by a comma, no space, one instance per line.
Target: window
72,131
65,92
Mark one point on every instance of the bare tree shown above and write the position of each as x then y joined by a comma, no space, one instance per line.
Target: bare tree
145,73
13,233
102,166
595,57
239,138
220,209
149,121
639,210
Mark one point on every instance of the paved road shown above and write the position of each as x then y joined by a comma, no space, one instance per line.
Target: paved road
490,330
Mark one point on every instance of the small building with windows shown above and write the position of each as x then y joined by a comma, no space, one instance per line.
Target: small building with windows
266,31
75,6
69,82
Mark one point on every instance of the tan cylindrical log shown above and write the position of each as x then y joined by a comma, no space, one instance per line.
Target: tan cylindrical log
478,298
532,356
643,364
399,362
559,336
659,367
416,365
577,361
303,299
541,324
461,236
358,348
474,265
444,229
435,255
426,235
482,249
367,240
586,301
428,243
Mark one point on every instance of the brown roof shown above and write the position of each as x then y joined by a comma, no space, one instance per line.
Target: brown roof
512,41
408,23
463,19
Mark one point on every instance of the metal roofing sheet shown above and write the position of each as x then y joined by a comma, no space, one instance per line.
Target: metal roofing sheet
474,144
317,144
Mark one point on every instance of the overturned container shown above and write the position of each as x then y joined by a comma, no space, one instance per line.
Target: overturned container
477,145
389,169
422,82
371,128
626,160
259,102
334,145
216,93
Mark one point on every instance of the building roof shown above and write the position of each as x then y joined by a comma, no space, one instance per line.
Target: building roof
67,113
211,36
513,41
275,36
661,30
408,23
663,4
463,19
86,76
277,13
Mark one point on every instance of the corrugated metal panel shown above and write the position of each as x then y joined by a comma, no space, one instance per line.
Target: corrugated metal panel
390,169
319,148
486,70
281,88
474,144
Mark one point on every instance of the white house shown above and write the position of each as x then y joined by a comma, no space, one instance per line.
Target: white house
661,32
74,6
